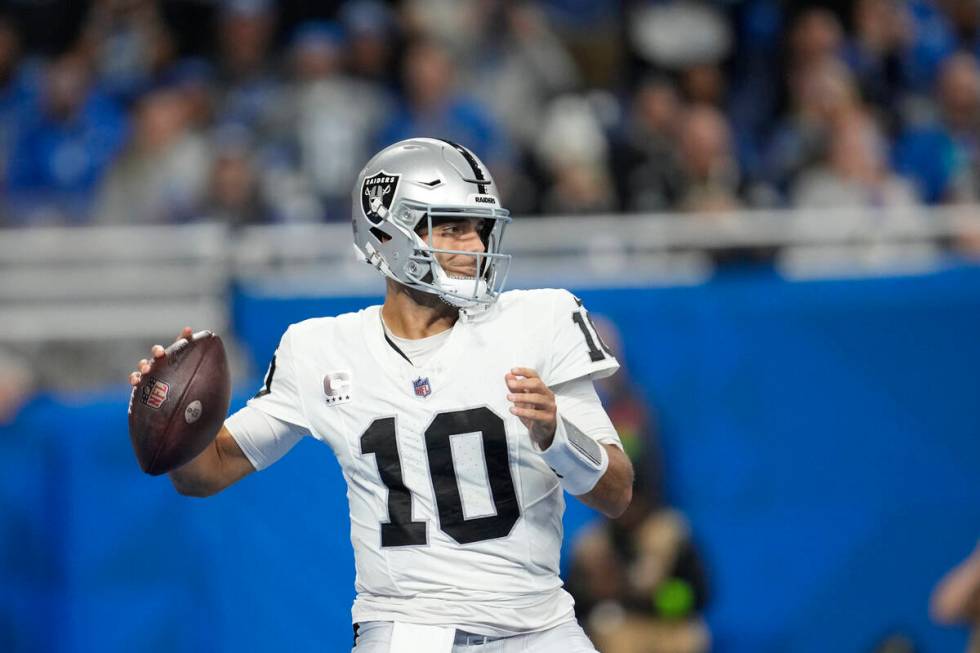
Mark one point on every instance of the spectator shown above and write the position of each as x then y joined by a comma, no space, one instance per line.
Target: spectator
370,35
877,53
161,175
710,173
943,156
573,151
129,44
250,90
18,91
821,94
63,146
646,165
855,171
433,105
638,581
956,599
194,79
336,116
234,194
521,66
815,36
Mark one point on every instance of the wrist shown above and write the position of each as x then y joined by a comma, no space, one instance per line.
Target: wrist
578,460
543,442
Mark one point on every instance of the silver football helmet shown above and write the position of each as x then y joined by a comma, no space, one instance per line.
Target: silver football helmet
409,187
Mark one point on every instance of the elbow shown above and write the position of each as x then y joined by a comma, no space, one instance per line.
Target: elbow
187,488
617,507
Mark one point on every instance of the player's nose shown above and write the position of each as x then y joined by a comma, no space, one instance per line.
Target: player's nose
473,243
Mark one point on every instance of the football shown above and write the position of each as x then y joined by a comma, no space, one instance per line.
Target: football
180,403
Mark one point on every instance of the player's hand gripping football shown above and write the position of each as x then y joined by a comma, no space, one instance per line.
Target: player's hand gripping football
534,403
156,352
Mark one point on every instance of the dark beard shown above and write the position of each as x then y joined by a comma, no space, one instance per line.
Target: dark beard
429,300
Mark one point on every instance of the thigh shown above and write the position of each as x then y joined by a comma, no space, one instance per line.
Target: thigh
373,637
566,638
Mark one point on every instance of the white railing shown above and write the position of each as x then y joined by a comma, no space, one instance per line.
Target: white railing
103,283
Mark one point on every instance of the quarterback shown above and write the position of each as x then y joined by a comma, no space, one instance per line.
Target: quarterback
458,414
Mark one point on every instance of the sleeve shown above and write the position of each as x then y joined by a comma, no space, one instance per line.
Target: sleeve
576,350
263,439
279,396
579,403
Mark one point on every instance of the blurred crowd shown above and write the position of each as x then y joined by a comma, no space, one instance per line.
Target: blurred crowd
252,111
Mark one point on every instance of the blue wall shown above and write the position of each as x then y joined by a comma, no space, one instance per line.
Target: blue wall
822,437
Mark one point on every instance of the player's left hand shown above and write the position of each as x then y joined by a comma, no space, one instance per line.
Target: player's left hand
534,403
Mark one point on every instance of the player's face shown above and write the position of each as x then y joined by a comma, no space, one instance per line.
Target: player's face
461,235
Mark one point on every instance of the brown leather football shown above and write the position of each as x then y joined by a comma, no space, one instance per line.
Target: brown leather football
180,403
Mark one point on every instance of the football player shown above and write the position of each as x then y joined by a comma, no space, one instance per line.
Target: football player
458,414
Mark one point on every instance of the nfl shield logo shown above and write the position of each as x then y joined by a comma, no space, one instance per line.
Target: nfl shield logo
422,387
154,393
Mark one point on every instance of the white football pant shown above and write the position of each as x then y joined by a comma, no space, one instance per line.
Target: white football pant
375,637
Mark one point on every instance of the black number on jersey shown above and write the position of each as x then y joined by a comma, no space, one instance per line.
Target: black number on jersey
267,386
580,317
380,439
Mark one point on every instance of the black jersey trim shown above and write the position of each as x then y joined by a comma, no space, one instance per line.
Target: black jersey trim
400,352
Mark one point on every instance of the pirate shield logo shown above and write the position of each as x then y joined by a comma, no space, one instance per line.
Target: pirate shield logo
376,195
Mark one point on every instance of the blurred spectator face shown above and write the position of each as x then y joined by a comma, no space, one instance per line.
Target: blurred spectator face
314,61
959,90
824,90
161,119
882,25
369,54
367,23
857,150
198,102
704,84
233,181
581,188
245,35
705,144
656,108
816,35
429,74
66,87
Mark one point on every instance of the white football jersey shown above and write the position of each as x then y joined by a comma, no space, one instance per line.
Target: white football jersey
455,519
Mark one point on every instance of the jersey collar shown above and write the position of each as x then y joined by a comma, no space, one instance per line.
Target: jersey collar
387,353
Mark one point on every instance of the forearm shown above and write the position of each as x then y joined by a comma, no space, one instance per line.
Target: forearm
579,421
198,477
612,494
218,466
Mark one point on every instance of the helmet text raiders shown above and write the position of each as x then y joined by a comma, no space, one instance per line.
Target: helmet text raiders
405,190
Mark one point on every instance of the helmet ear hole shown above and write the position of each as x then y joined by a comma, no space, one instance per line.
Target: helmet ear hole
380,235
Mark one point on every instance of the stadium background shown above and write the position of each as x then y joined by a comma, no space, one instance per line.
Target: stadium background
773,201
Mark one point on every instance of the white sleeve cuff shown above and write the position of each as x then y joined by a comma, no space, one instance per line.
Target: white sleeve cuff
263,438
578,460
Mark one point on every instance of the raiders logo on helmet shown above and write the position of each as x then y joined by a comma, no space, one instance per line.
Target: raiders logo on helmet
376,195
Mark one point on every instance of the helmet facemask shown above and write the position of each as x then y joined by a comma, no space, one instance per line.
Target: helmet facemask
423,269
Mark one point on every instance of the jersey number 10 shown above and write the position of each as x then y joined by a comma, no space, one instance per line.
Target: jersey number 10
401,530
